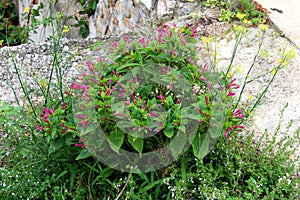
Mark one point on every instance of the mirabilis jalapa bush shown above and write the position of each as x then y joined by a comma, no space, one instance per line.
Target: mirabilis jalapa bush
129,108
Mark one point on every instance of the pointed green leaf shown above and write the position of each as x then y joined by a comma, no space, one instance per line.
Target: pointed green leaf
56,144
177,144
169,131
83,154
136,143
201,146
116,139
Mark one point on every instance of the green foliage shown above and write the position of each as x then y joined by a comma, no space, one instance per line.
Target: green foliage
243,167
165,59
10,31
229,10
89,8
252,14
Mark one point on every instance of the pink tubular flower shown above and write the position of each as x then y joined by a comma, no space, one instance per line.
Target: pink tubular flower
226,133
80,116
44,116
115,44
161,97
233,128
127,102
46,111
153,113
89,63
79,86
40,128
194,31
208,87
230,94
80,145
171,86
94,80
232,85
206,100
238,128
109,91
64,105
238,114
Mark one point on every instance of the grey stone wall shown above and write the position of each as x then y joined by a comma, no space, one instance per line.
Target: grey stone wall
111,16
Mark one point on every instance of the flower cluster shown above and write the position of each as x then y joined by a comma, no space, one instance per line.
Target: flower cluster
54,121
130,105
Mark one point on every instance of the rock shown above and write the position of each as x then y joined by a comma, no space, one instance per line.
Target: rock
116,17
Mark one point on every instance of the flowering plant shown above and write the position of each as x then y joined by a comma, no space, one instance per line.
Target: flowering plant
57,126
123,105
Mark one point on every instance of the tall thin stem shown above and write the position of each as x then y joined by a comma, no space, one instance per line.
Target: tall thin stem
237,42
248,72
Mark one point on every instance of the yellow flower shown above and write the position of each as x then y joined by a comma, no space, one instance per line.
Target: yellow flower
238,70
79,65
182,29
238,28
246,22
264,53
290,54
65,29
250,97
26,9
280,60
206,39
43,82
1,42
240,16
263,27
273,72
194,15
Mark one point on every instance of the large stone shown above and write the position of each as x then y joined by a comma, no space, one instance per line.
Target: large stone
110,17
117,16
41,33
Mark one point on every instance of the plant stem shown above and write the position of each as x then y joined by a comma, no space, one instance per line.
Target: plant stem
24,89
126,184
248,72
237,42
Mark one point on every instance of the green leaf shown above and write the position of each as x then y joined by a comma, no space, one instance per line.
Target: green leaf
201,146
56,144
169,100
125,124
169,131
83,154
151,185
177,144
136,143
123,67
190,113
60,175
53,133
116,139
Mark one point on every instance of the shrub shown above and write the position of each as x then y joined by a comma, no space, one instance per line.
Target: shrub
145,87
